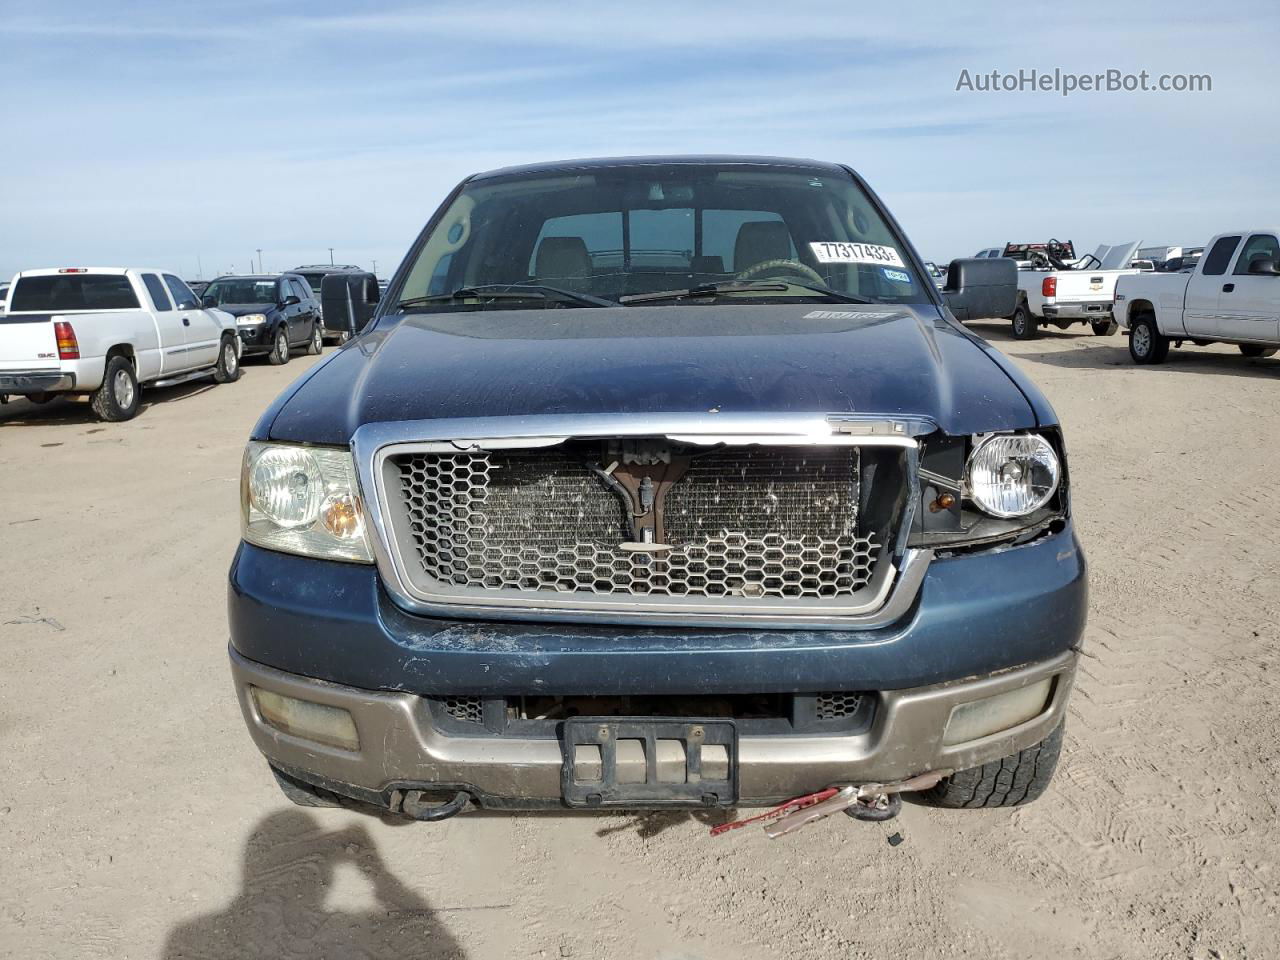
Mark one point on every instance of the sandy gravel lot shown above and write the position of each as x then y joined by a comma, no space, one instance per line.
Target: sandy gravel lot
137,820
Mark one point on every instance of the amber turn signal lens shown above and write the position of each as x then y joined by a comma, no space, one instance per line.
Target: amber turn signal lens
341,516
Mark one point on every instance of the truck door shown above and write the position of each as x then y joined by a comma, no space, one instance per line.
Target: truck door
1201,311
169,352
200,328
1249,304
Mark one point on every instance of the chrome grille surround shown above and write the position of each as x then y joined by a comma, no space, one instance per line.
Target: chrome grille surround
897,574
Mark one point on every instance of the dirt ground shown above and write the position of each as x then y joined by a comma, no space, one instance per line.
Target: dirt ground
137,819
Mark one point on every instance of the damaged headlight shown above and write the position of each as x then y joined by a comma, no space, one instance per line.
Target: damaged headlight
303,500
1012,475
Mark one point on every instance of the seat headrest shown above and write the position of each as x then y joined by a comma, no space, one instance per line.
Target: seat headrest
563,259
761,240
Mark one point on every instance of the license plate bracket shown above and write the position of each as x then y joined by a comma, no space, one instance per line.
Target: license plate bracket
616,784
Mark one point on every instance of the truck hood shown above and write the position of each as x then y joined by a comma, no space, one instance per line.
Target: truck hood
802,358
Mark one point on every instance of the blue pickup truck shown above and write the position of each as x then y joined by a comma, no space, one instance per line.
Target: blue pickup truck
660,482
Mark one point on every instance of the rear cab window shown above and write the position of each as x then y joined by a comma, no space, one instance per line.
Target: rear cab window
158,295
1216,260
67,292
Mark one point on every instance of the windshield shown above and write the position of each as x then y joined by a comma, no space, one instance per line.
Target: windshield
235,291
627,231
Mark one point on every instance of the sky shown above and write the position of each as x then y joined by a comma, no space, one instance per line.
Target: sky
188,136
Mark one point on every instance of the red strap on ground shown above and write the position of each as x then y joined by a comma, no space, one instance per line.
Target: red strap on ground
799,803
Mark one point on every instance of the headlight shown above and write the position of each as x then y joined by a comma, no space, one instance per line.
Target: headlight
303,500
1012,475
249,319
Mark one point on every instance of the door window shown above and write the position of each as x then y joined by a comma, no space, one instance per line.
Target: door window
156,289
1216,260
182,295
1261,246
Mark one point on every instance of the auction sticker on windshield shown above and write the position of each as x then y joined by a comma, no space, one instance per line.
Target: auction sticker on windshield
835,251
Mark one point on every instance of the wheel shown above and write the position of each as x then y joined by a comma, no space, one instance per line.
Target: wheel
1009,782
303,794
316,346
1146,343
1025,325
117,398
280,348
1253,350
228,368
1102,328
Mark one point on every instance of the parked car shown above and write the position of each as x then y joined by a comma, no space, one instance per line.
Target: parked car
1055,287
988,253
1144,266
1232,296
275,314
315,273
742,516
106,331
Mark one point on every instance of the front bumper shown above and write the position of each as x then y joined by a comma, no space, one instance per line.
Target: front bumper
402,748
1093,312
24,382
327,632
255,339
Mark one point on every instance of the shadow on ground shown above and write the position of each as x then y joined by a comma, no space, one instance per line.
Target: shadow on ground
281,911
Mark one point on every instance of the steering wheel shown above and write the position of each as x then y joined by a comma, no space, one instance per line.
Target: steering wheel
757,270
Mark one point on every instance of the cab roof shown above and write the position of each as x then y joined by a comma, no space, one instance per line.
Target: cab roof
606,163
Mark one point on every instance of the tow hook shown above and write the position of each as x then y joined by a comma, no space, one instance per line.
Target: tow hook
411,804
870,801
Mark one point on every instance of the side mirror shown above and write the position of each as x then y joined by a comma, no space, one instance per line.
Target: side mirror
290,301
345,304
979,289
209,302
1264,266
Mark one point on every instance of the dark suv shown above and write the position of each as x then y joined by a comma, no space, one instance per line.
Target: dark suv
275,315
661,482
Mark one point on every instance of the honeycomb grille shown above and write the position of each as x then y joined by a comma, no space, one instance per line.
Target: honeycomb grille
746,522
837,706
469,709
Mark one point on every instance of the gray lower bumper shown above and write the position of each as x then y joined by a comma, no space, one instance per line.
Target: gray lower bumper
1093,312
35,381
401,745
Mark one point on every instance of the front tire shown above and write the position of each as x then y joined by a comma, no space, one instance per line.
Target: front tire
1255,351
1025,325
117,398
1146,343
228,368
279,354
316,346
1009,782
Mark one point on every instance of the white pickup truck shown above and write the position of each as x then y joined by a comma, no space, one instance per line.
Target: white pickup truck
1232,296
104,331
1055,288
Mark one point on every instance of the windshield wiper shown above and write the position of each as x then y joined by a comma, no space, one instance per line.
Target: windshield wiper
509,291
739,286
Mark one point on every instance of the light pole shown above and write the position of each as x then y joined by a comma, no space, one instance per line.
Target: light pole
259,259
331,256
375,268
